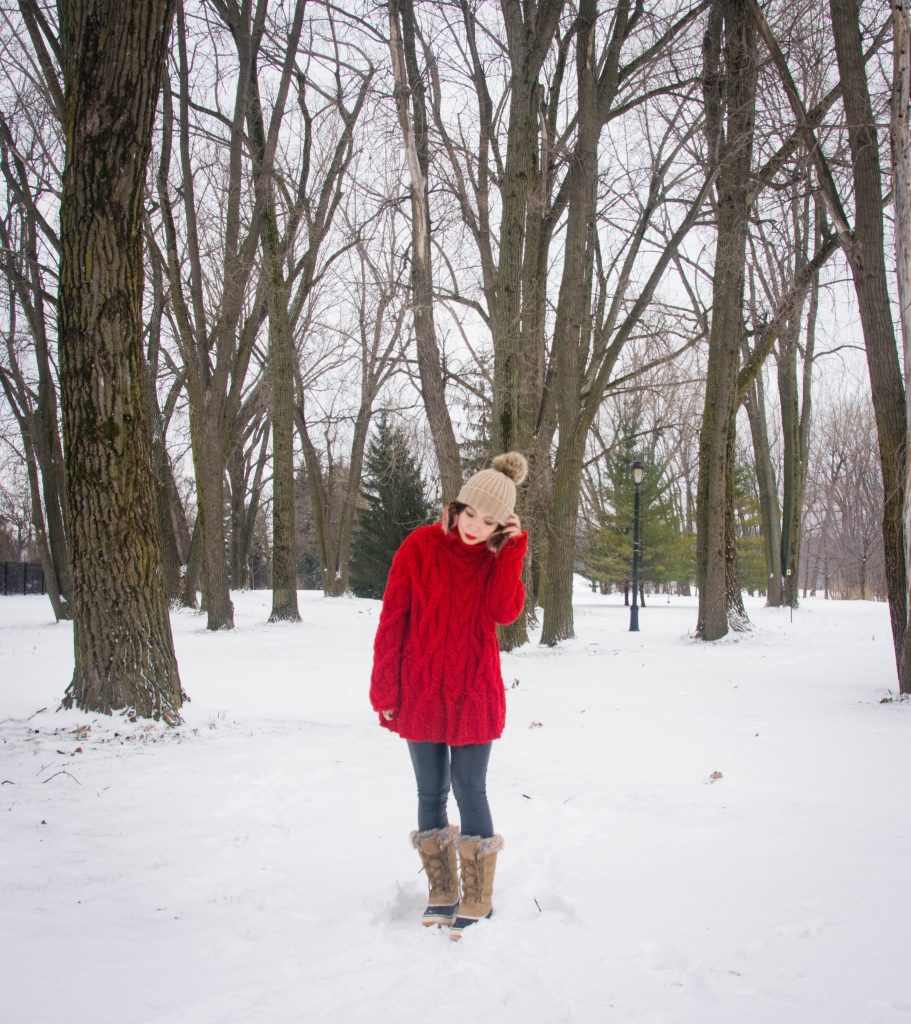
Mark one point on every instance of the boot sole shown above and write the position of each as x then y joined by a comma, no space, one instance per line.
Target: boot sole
461,923
440,916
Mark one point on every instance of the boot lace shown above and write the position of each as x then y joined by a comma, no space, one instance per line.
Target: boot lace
472,876
436,865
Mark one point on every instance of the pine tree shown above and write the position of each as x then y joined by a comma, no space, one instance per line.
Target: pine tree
395,505
750,550
667,553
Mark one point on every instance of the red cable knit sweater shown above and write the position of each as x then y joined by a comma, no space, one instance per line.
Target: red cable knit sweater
436,662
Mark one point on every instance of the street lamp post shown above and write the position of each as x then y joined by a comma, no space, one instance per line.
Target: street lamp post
638,474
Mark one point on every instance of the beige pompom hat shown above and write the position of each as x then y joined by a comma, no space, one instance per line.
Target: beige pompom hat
492,492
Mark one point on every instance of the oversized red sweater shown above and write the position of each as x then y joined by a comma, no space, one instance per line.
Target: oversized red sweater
436,662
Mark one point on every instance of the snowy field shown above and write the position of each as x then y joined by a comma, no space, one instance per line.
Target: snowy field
253,866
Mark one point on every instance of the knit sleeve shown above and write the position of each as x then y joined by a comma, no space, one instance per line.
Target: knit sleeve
506,594
390,634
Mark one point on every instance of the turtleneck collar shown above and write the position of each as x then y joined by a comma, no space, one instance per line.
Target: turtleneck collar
455,544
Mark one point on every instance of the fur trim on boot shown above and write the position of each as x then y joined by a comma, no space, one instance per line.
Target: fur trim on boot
478,865
439,860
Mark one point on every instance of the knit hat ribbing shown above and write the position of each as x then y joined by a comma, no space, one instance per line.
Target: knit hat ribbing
492,492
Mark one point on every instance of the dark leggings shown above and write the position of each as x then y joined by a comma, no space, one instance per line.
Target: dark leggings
436,768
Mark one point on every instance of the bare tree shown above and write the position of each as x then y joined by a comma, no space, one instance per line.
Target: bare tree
515,176
376,337
217,305
778,258
901,191
863,246
844,549
113,55
281,342
31,145
730,99
412,113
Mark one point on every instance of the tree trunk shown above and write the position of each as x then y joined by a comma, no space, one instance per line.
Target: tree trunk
792,482
38,419
769,512
216,343
806,409
730,104
513,259
572,338
207,440
517,298
557,574
319,507
189,585
245,503
281,341
124,653
867,259
170,553
281,362
355,471
901,188
237,486
171,559
737,617
62,610
413,123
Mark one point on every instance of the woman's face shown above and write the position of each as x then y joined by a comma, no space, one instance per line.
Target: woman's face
473,527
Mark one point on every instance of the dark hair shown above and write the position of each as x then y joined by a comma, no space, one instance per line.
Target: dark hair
494,542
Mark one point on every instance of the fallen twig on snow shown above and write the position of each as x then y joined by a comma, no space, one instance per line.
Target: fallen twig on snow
54,776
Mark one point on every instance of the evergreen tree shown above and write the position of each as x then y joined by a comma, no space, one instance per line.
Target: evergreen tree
667,553
750,549
395,505
477,429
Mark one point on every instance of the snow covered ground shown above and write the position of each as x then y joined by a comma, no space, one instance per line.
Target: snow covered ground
253,865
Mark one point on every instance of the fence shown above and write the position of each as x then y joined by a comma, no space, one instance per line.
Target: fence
21,578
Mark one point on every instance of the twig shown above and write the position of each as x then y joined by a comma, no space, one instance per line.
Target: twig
3,721
54,776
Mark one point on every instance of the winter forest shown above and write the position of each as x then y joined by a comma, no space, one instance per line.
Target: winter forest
276,276
371,240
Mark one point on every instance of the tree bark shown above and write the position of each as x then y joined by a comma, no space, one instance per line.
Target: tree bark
216,343
207,441
868,267
38,420
172,554
412,115
282,354
864,251
901,189
246,495
517,294
737,617
769,511
730,105
124,653
572,334
793,466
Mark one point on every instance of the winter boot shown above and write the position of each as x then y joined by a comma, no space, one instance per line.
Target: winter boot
478,862
437,850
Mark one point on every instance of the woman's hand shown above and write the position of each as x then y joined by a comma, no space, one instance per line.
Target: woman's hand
512,527
388,714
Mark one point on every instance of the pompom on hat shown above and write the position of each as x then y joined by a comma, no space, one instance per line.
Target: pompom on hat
492,492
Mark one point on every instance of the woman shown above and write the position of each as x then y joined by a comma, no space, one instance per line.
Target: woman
436,678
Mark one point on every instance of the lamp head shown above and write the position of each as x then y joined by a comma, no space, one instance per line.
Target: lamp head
638,472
